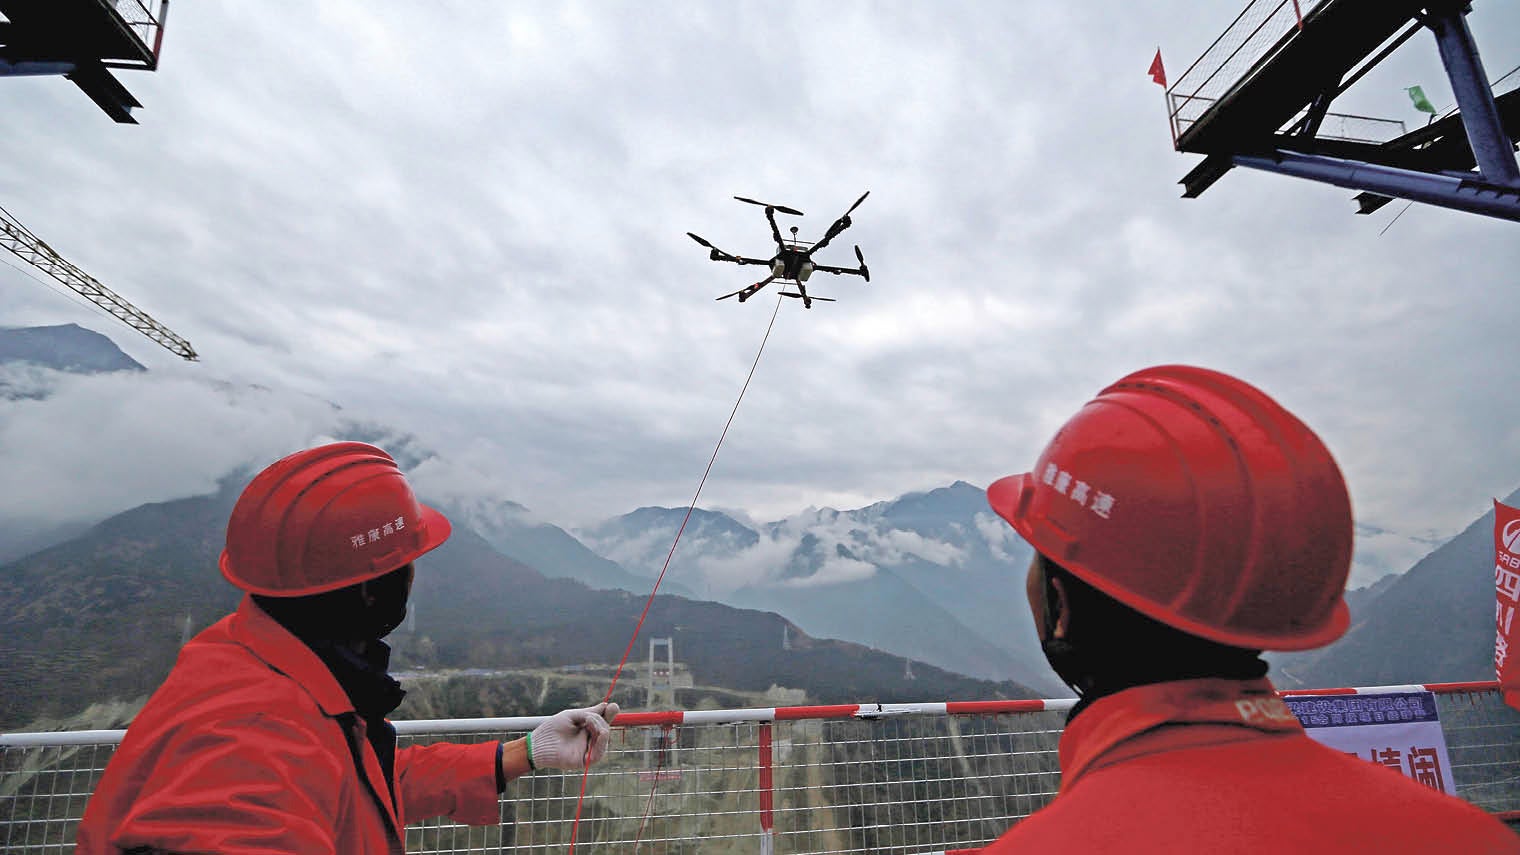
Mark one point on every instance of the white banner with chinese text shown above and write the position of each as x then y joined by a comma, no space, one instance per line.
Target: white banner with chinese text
1400,730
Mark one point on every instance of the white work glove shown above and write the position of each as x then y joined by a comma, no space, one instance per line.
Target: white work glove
562,742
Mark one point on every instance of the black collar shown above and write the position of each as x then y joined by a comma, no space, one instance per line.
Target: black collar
363,676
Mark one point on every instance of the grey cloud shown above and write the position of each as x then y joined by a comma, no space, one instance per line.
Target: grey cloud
486,248
102,444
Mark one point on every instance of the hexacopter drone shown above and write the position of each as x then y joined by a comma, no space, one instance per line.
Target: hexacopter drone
793,261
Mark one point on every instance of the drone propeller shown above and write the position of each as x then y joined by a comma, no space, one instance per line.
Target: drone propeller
857,202
699,239
782,208
865,272
807,296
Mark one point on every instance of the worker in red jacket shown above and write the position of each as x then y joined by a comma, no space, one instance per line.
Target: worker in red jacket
270,734
1183,522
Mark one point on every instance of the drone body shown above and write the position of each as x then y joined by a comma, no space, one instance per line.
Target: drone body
793,262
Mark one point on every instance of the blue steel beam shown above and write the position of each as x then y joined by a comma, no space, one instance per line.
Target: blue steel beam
1470,194
33,69
1491,146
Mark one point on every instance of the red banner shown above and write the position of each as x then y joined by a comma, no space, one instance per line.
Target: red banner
1507,592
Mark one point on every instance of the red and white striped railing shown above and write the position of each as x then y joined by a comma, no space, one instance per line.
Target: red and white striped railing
905,779
420,727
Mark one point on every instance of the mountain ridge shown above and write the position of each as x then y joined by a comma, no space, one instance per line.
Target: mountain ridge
901,575
102,616
1431,624
65,347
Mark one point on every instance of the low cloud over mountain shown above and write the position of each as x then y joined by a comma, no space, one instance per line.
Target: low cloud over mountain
932,575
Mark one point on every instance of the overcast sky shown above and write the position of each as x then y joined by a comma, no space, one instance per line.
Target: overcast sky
467,221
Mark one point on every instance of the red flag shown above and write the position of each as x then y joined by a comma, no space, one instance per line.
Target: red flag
1158,73
1507,590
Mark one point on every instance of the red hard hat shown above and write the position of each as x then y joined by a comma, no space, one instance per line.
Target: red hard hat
1195,499
326,518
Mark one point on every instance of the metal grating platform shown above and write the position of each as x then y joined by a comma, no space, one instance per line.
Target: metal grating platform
1266,68
83,40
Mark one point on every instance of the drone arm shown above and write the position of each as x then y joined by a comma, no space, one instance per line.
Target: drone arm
747,291
839,225
834,231
862,271
823,268
770,217
828,236
717,254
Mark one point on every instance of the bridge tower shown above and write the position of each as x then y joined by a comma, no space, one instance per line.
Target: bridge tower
660,680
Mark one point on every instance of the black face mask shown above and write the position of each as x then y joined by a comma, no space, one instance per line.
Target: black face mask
1065,658
368,611
386,609
1109,647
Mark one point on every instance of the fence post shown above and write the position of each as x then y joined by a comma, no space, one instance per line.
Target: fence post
767,834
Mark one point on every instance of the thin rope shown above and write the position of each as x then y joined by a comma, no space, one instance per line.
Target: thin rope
1395,219
689,508
1504,77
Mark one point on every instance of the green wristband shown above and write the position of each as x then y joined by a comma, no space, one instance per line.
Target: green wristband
528,741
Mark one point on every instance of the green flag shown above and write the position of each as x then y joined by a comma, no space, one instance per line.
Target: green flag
1421,103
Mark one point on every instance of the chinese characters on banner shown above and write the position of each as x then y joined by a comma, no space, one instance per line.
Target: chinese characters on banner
1507,594
1400,730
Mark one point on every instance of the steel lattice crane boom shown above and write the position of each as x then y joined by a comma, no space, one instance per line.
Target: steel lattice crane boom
83,39
31,249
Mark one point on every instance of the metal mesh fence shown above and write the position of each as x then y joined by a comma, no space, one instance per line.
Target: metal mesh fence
1255,34
1365,129
894,784
1340,126
140,15
43,791
899,784
143,17
1483,738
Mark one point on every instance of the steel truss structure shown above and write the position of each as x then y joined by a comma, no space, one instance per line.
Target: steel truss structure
19,240
1259,97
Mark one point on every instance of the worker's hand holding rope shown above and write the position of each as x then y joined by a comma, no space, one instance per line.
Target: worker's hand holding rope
572,739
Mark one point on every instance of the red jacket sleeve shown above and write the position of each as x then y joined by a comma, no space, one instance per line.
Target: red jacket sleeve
448,779
242,786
